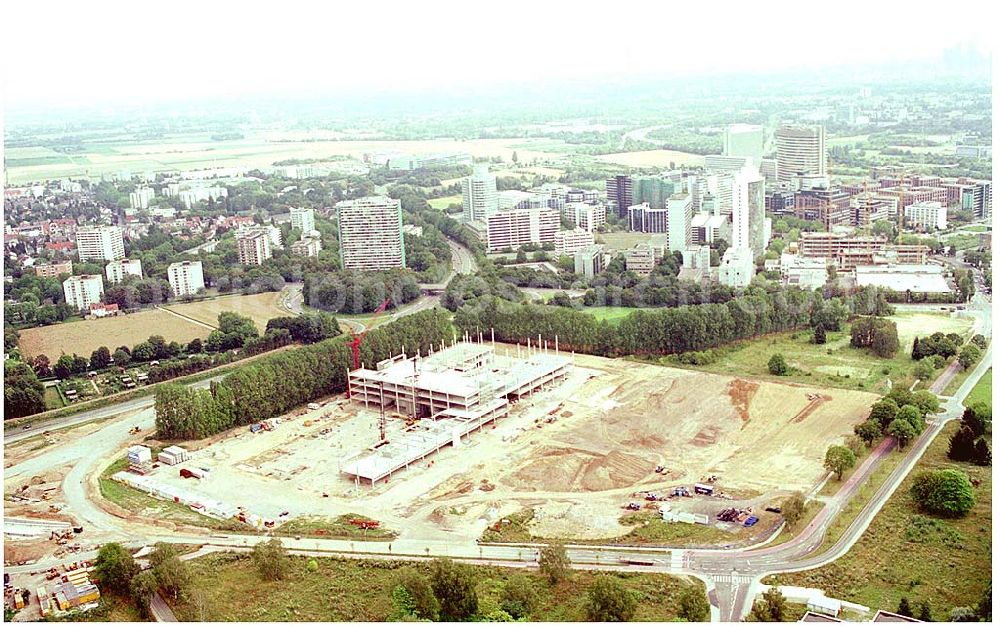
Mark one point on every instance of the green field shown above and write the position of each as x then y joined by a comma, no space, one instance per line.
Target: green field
53,400
983,391
836,363
443,202
229,589
945,562
611,314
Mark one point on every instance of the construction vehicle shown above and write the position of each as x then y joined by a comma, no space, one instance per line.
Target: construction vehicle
633,507
134,430
681,491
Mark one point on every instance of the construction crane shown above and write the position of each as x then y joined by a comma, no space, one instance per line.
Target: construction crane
359,337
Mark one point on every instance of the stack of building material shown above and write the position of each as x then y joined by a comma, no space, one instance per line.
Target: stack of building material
173,455
140,459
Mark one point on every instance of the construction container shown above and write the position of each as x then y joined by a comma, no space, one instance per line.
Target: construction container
702,488
173,455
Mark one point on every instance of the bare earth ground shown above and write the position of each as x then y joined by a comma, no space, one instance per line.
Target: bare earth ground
615,421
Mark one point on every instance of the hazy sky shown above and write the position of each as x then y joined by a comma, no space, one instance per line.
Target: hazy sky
82,53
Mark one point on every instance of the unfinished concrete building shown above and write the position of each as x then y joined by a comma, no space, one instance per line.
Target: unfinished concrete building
452,392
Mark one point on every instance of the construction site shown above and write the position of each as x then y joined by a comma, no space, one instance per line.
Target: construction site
446,444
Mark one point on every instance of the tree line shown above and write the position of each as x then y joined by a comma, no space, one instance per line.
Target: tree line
277,383
664,331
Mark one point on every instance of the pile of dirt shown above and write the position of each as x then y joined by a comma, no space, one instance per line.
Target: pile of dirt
16,553
570,469
741,394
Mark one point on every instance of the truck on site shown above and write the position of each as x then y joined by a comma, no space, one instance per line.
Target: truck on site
704,488
312,406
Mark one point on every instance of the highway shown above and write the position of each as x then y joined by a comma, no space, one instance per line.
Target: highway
730,574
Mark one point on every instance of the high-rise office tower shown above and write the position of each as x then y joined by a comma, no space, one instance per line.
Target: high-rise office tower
479,194
749,227
801,149
619,189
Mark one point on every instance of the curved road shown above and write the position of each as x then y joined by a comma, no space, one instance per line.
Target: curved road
731,575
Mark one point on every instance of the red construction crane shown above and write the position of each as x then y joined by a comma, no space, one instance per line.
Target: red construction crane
359,337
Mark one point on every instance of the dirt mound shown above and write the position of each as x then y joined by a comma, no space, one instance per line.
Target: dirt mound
568,469
708,436
614,470
741,394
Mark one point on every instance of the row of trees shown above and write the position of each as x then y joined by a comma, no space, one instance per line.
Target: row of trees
277,383
653,331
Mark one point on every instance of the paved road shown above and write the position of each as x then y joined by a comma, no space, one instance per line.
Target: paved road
161,611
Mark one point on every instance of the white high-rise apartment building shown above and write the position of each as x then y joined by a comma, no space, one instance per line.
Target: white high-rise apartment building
83,290
479,195
927,215
680,210
586,216
116,271
371,233
514,228
139,199
801,149
570,242
185,277
749,227
744,140
303,219
254,247
100,243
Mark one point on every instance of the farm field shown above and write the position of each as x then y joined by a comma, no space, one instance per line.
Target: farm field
85,336
983,391
354,590
836,363
947,560
260,307
653,158
197,151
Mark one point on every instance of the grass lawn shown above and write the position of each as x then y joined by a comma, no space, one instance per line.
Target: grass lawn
443,202
339,527
621,240
983,391
611,314
906,553
112,608
229,589
836,363
53,400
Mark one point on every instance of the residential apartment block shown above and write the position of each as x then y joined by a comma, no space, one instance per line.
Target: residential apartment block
83,290
371,233
185,277
516,227
100,243
116,271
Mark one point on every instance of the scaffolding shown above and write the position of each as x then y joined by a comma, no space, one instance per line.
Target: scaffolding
452,392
